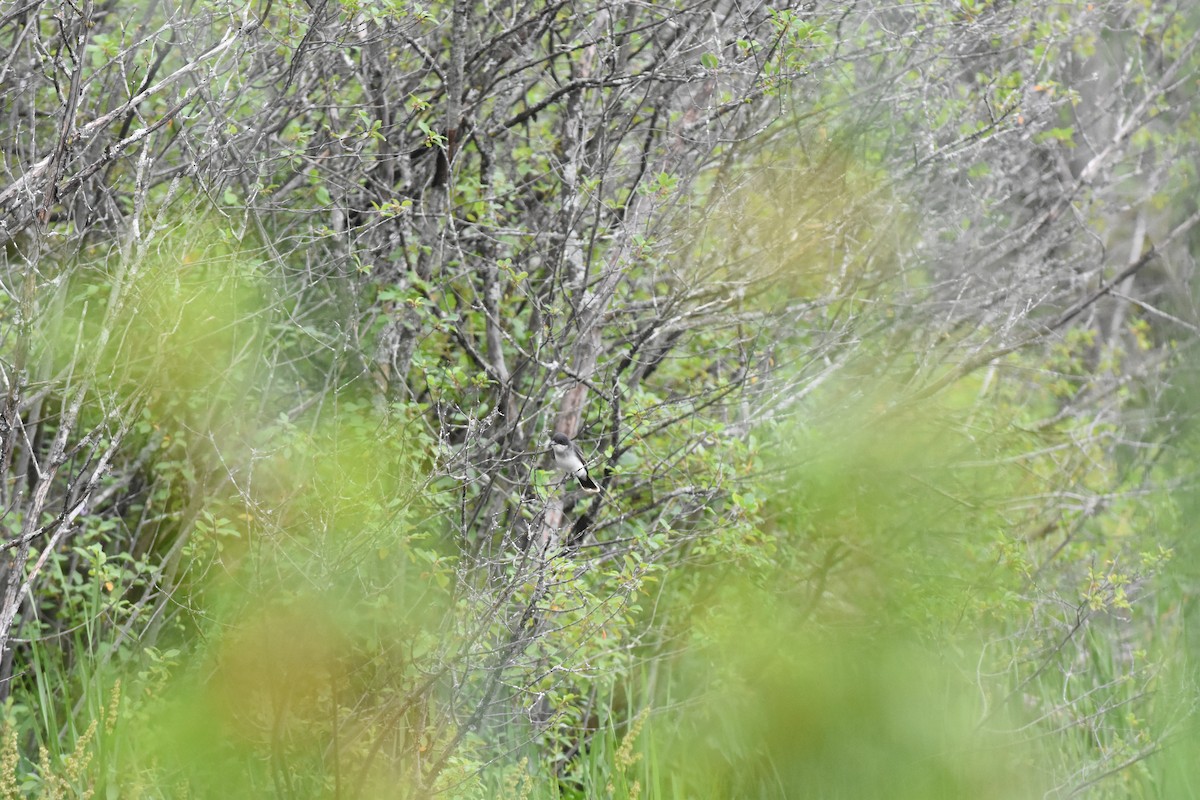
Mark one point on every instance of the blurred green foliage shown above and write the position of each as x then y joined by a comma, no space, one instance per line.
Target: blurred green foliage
987,593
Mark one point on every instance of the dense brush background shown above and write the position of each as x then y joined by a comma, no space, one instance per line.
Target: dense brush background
876,320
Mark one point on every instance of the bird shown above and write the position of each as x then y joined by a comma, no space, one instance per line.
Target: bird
569,458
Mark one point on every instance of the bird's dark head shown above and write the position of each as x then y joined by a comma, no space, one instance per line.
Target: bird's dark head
559,439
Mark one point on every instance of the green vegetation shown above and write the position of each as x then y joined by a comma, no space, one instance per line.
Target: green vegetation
875,324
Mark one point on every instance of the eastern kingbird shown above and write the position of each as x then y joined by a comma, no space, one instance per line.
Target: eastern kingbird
569,458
